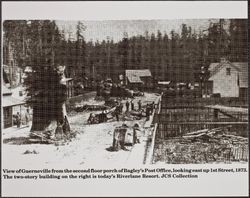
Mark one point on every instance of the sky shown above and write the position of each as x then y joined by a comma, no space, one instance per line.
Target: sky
114,29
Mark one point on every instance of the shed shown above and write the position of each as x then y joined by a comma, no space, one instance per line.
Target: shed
138,78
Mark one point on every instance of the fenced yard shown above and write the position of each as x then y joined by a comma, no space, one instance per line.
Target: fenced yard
202,126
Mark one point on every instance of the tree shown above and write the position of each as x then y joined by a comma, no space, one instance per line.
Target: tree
15,33
46,92
80,54
238,40
218,41
124,52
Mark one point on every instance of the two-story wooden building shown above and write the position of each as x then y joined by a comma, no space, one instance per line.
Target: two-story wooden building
229,79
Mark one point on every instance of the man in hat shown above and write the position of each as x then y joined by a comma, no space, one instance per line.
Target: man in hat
127,106
117,112
132,105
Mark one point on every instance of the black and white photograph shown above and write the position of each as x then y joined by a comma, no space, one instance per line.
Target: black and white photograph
124,93
137,91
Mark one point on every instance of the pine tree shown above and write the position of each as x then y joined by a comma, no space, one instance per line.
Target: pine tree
124,54
238,40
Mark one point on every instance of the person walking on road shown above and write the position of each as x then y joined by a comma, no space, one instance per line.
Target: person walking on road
139,105
132,105
117,112
136,129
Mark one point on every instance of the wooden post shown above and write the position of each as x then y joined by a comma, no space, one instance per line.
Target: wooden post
216,114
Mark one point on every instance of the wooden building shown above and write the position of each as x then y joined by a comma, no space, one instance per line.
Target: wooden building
229,79
8,105
140,78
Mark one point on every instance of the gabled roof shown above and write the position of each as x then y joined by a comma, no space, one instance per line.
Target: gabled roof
6,91
241,67
134,76
215,67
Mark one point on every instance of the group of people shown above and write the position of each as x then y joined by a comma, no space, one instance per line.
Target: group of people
99,118
129,106
18,118
102,117
132,106
120,136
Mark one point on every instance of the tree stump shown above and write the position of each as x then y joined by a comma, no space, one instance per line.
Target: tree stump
119,138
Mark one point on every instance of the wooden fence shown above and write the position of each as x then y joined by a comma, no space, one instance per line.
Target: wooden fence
233,102
181,115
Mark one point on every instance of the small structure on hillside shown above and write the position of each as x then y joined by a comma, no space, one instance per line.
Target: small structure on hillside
229,79
141,78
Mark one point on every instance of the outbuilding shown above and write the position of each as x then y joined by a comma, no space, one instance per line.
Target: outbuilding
140,78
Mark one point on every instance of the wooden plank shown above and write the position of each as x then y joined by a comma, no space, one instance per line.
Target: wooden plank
229,109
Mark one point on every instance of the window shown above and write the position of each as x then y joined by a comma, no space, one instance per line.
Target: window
228,71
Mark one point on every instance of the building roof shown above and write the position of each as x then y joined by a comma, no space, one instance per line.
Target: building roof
5,90
9,101
215,67
164,82
134,76
241,67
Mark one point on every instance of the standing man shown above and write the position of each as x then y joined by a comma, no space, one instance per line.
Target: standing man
117,109
147,112
18,120
139,105
127,106
136,130
121,108
152,107
132,105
